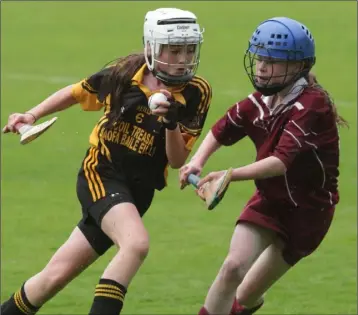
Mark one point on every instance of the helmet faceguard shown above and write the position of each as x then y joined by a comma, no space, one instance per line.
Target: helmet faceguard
284,41
172,42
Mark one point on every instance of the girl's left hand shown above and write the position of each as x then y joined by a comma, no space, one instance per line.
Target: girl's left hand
212,176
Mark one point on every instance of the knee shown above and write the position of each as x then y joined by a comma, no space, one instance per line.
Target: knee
139,247
55,277
233,270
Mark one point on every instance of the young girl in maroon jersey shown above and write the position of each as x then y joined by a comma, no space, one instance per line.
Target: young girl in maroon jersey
293,124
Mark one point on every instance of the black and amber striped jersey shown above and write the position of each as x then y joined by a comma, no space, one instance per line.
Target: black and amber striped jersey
135,145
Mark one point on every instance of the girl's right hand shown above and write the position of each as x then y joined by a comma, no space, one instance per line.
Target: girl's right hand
16,118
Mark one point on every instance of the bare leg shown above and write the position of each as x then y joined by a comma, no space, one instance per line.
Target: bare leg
74,256
124,226
266,270
247,243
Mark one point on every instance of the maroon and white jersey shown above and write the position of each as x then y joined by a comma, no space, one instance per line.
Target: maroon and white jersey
301,132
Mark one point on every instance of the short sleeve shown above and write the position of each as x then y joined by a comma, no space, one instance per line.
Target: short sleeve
230,128
192,123
87,91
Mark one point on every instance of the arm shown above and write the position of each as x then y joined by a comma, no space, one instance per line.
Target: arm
268,167
177,152
206,149
296,138
180,140
58,101
226,131
84,92
175,147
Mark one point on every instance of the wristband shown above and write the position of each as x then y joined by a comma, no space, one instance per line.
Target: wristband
170,125
32,116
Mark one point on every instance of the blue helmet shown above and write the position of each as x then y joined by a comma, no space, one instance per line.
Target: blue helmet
280,39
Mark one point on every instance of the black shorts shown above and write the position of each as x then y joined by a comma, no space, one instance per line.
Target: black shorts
98,194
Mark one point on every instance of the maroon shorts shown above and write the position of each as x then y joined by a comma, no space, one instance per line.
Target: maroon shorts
302,229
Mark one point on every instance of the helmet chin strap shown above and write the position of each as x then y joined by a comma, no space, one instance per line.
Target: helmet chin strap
269,91
276,88
170,80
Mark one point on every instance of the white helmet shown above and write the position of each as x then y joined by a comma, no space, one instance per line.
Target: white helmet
167,26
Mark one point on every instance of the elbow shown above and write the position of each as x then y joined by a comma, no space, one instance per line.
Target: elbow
178,160
278,168
281,169
176,164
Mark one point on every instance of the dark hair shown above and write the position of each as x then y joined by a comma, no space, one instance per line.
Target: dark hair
118,82
312,82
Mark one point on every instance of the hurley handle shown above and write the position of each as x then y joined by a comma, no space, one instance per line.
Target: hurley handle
22,128
194,180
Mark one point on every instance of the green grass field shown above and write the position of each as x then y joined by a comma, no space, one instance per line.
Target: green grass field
46,45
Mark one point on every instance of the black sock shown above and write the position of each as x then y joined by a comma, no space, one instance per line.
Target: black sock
108,298
18,304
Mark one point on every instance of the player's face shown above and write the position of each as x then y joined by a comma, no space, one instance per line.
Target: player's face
271,71
177,60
